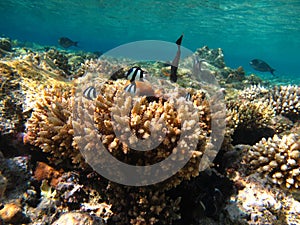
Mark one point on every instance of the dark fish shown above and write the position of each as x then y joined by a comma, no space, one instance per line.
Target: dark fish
261,65
175,62
118,74
90,93
67,42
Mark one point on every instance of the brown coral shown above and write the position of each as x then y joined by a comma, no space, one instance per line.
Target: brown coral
50,125
278,158
247,114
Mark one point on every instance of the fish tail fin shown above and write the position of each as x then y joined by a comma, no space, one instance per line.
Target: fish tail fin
179,40
76,44
272,71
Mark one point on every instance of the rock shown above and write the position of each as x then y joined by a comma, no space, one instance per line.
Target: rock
76,218
5,44
3,185
12,213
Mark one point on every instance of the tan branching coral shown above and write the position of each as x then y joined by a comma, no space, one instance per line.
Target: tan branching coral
278,158
125,123
50,125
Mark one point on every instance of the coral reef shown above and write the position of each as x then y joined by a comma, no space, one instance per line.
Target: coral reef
260,203
279,159
214,57
56,169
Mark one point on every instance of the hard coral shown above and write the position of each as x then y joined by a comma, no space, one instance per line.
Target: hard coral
279,159
50,125
119,122
285,100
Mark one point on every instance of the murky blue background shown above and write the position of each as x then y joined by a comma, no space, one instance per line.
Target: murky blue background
265,29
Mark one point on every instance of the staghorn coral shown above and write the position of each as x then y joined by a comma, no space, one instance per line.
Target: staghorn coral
278,158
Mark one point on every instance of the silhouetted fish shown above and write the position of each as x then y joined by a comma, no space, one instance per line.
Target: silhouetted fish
261,65
67,42
175,62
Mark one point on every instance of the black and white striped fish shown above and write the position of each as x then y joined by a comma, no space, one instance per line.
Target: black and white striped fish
90,93
139,88
131,88
188,97
134,73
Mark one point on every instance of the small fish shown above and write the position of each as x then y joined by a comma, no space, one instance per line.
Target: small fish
139,88
188,96
90,93
134,73
261,65
175,62
67,42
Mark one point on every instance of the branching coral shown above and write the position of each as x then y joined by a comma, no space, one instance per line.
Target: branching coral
284,99
50,125
249,114
278,158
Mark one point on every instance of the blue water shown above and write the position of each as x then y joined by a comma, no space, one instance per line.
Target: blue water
265,29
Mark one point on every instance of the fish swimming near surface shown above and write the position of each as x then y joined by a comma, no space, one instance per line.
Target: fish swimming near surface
261,65
67,42
90,93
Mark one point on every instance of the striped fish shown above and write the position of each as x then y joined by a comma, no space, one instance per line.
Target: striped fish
139,88
90,93
131,88
134,73
188,97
